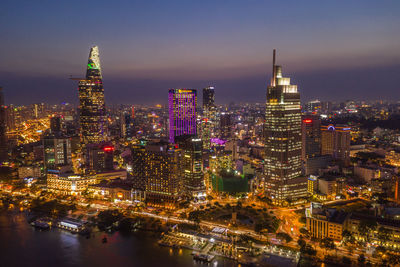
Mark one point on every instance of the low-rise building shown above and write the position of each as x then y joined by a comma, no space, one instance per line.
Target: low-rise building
326,223
29,171
68,184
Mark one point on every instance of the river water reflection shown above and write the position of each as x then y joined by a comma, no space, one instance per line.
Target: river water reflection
22,245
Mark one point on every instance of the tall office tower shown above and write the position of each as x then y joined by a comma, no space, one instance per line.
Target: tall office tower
182,112
55,125
336,142
92,111
209,116
282,129
99,157
193,180
163,173
57,151
225,125
3,126
311,136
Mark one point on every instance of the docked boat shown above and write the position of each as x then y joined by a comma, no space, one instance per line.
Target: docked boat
41,225
203,257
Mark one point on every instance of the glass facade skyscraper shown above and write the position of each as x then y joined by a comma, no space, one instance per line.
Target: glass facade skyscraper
209,116
92,112
182,112
282,132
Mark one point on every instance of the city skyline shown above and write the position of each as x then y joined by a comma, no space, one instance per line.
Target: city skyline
346,56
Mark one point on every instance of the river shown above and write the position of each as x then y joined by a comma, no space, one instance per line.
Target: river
22,245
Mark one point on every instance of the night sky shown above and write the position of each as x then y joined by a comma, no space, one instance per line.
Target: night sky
333,50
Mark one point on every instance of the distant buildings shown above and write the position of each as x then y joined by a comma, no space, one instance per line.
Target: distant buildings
313,106
3,127
92,112
182,112
336,142
282,131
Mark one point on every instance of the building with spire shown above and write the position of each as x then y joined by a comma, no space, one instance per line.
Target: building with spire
282,133
92,111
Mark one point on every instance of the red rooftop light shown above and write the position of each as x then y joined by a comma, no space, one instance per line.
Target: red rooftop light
108,148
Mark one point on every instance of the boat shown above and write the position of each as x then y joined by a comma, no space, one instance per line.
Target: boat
41,225
203,257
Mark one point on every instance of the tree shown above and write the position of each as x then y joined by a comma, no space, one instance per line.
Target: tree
304,231
125,225
108,217
284,236
301,242
384,234
361,259
346,260
365,227
327,243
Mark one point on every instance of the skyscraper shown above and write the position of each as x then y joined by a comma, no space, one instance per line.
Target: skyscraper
193,180
3,125
282,129
92,112
209,115
311,136
182,112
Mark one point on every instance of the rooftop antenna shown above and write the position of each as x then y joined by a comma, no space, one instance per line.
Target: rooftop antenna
273,69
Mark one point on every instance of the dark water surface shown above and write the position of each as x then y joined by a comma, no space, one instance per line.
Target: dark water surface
22,245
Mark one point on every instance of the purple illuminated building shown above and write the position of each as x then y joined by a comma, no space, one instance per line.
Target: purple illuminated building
182,112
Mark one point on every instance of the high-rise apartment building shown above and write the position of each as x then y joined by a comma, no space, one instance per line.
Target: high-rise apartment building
336,142
311,136
182,112
282,129
92,112
193,180
3,126
209,116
